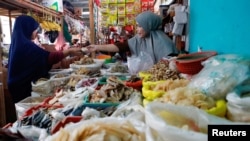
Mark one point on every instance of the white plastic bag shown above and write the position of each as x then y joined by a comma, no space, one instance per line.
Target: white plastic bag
139,63
178,123
43,88
99,129
234,98
238,108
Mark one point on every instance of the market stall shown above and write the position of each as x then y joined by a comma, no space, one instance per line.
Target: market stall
92,92
106,98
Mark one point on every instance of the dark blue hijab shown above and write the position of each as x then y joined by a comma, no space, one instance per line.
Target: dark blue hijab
27,61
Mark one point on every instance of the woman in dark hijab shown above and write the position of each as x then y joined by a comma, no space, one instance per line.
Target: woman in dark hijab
27,61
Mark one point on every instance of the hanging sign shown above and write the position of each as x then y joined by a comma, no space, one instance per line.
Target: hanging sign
56,5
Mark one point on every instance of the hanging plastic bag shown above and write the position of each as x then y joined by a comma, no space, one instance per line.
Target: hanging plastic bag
139,63
60,43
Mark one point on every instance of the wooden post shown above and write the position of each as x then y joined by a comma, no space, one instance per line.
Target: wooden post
10,23
91,24
2,98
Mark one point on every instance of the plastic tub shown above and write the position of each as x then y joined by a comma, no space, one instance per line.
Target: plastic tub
103,56
191,63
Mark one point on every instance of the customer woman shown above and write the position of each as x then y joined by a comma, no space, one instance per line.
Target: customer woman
27,61
150,39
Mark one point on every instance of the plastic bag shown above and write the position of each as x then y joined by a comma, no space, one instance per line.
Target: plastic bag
134,99
139,63
130,112
107,128
33,132
234,98
149,93
243,88
227,58
43,88
60,43
180,123
238,107
27,103
218,80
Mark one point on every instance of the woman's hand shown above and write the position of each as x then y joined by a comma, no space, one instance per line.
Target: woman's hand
106,48
92,48
73,51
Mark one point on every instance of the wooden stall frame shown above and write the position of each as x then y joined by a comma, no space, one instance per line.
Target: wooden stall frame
2,97
92,27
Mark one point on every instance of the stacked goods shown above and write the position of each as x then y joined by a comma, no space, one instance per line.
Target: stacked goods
104,129
157,75
154,90
161,71
188,97
119,12
113,92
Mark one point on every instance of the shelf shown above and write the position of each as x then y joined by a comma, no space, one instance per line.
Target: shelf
39,8
23,6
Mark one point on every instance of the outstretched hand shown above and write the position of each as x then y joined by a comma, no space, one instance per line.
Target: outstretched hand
91,48
73,51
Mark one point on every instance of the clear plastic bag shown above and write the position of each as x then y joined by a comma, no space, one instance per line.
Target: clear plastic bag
234,98
23,105
139,63
179,123
43,87
218,80
107,128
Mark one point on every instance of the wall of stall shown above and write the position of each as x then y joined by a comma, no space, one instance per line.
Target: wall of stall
220,25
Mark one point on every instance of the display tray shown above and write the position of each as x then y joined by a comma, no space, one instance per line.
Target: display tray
108,65
89,66
100,105
107,72
97,106
103,80
92,67
96,61
60,71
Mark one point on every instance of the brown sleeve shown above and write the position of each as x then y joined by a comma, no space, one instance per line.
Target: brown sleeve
55,57
123,46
